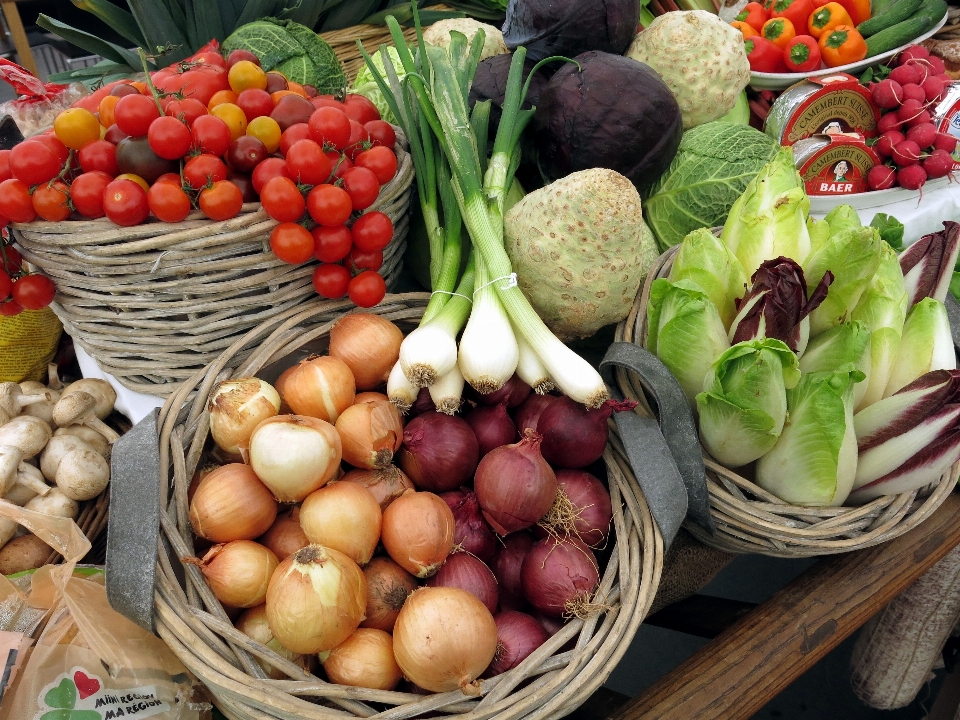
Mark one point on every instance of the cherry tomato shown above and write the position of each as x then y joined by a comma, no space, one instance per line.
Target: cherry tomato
33,163
245,153
236,56
5,172
86,192
52,201
359,140
367,289
281,200
220,97
234,118
381,161
294,133
10,259
53,142
307,164
105,110
173,178
266,130
372,231
99,155
10,308
245,74
211,135
221,201
6,285
270,168
136,178
134,113
244,181
199,83
209,58
276,82
359,260
168,202
331,281
115,134
291,243
362,187
255,103
331,244
361,109
203,169
75,127
125,202
381,133
329,205
330,126
169,138
186,110
122,89
34,292
15,202
341,163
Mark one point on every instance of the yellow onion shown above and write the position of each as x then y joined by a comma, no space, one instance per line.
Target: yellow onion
237,407
418,531
238,572
320,387
388,586
316,599
371,433
386,484
369,397
444,639
285,536
370,346
230,503
253,624
365,659
294,455
345,517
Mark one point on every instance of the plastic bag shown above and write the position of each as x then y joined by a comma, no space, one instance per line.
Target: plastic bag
38,102
28,342
90,662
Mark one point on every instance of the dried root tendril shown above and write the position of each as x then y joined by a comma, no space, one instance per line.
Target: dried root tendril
583,606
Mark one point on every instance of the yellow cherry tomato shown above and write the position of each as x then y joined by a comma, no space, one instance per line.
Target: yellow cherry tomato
76,127
266,130
245,75
136,178
233,116
296,88
220,97
106,110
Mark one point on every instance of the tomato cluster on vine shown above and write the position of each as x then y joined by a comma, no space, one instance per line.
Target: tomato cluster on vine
21,290
210,134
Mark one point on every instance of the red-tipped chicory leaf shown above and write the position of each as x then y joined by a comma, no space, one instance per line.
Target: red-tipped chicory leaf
928,264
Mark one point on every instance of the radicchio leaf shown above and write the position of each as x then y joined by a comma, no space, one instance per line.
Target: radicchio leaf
928,264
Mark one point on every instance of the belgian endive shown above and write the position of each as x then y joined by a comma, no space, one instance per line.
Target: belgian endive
744,402
848,344
928,264
926,345
703,259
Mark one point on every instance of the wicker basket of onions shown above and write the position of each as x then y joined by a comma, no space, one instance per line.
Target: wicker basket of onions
340,556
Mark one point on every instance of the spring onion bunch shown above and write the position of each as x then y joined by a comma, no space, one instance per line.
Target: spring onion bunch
460,185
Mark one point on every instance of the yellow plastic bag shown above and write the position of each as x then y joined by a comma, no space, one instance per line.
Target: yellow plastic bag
28,342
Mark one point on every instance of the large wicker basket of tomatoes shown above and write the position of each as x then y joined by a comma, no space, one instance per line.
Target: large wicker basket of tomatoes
177,213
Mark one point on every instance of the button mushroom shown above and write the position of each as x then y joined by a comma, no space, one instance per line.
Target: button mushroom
26,432
59,446
78,408
13,400
53,503
82,474
44,408
90,436
102,392
13,470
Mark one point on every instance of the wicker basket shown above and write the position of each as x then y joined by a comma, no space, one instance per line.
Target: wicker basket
749,519
549,684
156,302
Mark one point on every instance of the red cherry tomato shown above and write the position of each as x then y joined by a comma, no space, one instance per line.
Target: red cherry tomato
52,201
329,205
367,289
186,110
134,113
211,135
307,164
341,163
15,202
125,202
362,187
331,281
359,140
331,126
267,170
114,135
10,259
372,231
381,133
34,292
222,201
10,308
32,162
209,58
331,244
381,161
237,55
99,155
359,260
168,202
291,243
360,109
199,83
293,134
204,169
255,103
169,138
6,285
87,193
281,200
52,142
5,172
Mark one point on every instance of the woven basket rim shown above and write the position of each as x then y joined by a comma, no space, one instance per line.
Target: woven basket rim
750,519
192,622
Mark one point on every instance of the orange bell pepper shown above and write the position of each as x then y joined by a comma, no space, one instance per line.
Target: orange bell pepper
859,10
842,45
745,29
825,19
779,31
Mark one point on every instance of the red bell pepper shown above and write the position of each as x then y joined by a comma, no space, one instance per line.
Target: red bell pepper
802,54
764,56
796,11
755,15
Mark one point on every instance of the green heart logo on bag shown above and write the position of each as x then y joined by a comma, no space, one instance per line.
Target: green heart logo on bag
63,698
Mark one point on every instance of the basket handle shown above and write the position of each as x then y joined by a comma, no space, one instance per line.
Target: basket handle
665,455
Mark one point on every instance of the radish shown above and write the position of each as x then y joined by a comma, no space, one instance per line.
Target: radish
939,164
912,177
921,118
909,110
923,135
888,141
881,177
945,141
887,94
906,153
912,91
936,65
914,52
932,88
888,122
905,74
923,69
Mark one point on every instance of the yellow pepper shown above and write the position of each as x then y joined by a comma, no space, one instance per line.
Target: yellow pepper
826,18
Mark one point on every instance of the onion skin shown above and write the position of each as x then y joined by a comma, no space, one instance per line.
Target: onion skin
285,536
515,485
365,659
518,635
388,586
471,532
463,570
253,623
514,391
582,510
386,484
230,503
365,397
439,453
238,572
294,455
319,387
301,618
418,532
558,574
444,639
371,433
506,568
529,412
573,435
237,407
369,345
345,517
492,426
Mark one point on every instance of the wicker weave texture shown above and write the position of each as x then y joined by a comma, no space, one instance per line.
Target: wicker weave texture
156,302
749,519
548,684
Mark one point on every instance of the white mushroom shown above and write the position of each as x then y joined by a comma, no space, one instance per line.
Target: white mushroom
78,408
102,392
53,453
13,470
26,432
5,417
82,474
44,408
53,378
90,436
20,495
13,400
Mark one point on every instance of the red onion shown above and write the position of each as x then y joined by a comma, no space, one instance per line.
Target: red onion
518,635
471,531
551,624
514,391
492,426
582,508
514,485
439,452
528,414
463,570
506,567
573,436
423,403
559,576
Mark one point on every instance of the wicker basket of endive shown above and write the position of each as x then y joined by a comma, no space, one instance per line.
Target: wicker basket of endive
819,365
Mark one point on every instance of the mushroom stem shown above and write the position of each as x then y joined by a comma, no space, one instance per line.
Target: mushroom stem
101,427
13,400
78,408
53,377
30,477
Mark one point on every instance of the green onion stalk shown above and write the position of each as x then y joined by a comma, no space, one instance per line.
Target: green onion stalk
502,333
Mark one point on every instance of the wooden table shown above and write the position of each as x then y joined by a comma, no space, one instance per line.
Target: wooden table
19,35
732,676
